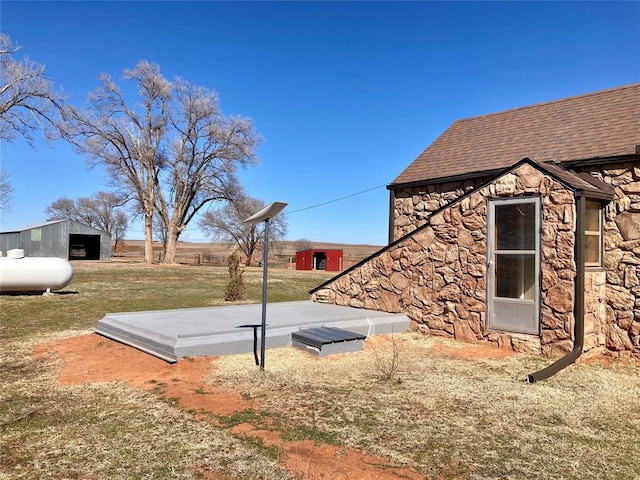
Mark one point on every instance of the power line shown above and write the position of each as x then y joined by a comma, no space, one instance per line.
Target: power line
335,200
312,206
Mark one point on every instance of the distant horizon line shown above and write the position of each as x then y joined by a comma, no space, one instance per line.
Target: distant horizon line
231,243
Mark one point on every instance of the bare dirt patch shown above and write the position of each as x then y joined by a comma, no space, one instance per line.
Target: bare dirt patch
91,359
321,461
472,351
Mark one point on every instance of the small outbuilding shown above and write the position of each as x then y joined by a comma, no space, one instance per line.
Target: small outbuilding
313,259
59,238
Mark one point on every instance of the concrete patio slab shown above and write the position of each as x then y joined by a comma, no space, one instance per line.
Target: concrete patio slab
192,332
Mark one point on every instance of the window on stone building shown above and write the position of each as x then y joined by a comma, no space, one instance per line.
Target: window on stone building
593,234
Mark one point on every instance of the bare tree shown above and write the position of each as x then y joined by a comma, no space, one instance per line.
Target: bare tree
110,214
5,191
205,150
302,244
126,142
160,231
227,224
175,155
28,101
65,208
102,211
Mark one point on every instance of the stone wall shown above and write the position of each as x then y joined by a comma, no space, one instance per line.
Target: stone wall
412,206
437,275
595,309
621,331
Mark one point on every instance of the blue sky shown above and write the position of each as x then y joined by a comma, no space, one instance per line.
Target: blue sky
345,94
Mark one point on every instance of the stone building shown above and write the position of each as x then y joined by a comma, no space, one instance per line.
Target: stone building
519,228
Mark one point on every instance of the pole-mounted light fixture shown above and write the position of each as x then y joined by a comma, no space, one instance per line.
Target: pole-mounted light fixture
265,215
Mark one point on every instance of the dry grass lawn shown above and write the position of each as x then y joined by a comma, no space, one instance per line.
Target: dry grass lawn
444,411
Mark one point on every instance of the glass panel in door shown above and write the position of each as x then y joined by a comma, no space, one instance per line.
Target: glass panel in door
514,265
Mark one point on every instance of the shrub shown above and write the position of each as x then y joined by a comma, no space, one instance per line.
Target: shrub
389,361
235,290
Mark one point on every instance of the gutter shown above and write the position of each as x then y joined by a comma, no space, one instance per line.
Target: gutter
592,161
578,307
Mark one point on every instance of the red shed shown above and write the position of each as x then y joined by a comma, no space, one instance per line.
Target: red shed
329,260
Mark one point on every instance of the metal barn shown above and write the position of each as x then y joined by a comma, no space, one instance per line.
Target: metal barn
316,259
59,238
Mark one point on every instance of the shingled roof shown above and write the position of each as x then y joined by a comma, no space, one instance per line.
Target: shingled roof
599,124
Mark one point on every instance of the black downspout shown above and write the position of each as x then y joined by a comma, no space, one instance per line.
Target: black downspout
578,309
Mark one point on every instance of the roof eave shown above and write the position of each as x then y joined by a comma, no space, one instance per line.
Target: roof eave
581,162
592,161
594,194
453,178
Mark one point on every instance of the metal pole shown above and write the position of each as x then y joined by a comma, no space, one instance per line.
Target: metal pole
265,215
265,263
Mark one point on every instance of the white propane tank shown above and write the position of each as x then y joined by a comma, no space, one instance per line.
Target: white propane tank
33,274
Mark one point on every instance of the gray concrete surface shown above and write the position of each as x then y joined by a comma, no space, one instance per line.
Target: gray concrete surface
192,332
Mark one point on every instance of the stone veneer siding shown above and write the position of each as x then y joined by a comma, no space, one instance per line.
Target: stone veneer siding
618,329
437,275
412,206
